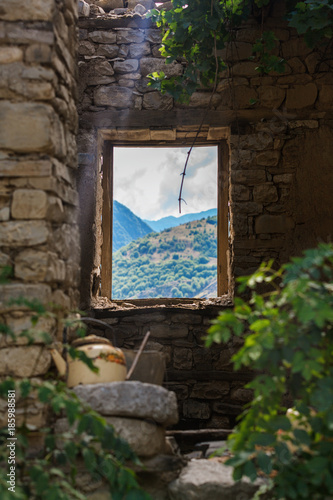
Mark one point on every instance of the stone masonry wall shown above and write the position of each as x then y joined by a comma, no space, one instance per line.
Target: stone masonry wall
280,176
209,393
39,236
280,130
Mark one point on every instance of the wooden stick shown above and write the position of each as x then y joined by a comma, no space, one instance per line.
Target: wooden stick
136,359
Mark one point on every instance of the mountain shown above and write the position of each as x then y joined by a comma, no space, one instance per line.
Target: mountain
126,226
171,221
177,262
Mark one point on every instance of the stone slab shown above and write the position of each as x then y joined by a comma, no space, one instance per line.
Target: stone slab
203,479
131,399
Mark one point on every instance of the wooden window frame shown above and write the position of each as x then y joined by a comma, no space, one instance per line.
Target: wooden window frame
223,265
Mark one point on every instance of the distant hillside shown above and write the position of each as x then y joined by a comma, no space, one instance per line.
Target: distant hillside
178,262
171,221
126,226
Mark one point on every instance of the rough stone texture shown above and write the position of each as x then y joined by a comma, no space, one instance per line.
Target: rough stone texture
131,399
28,127
202,479
24,361
145,438
210,390
301,96
196,409
118,97
150,64
23,233
273,224
14,291
35,10
29,204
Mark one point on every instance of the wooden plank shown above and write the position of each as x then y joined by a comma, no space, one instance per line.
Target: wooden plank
199,432
107,216
110,119
206,376
222,220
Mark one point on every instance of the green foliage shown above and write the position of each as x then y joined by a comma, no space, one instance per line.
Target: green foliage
263,49
89,446
314,19
288,341
180,263
196,32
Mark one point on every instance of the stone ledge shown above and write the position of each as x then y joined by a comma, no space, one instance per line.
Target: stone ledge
209,479
131,399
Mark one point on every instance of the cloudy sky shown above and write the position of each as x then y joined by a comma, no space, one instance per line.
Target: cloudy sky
147,180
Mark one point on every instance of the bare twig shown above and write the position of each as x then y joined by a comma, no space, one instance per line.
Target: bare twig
180,199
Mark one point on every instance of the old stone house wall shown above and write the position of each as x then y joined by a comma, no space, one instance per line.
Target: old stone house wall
279,134
39,236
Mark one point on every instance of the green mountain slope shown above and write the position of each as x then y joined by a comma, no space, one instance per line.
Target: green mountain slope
126,226
171,221
178,262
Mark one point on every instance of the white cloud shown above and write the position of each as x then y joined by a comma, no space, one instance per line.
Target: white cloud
147,180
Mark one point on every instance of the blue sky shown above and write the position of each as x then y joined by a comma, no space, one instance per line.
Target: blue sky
147,180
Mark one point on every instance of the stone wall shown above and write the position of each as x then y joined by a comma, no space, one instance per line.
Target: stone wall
280,158
280,130
39,236
209,393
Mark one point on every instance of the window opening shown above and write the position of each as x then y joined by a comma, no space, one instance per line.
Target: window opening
158,252
165,260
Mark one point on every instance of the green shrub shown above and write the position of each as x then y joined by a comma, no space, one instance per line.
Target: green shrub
288,340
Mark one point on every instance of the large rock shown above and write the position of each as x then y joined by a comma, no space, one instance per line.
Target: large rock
131,399
145,438
206,479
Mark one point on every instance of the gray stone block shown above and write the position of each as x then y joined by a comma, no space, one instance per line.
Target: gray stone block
131,399
202,479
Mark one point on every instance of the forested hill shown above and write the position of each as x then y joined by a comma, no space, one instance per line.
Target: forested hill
126,226
178,262
171,221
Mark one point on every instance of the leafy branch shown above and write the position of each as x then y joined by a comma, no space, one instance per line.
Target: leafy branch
288,342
